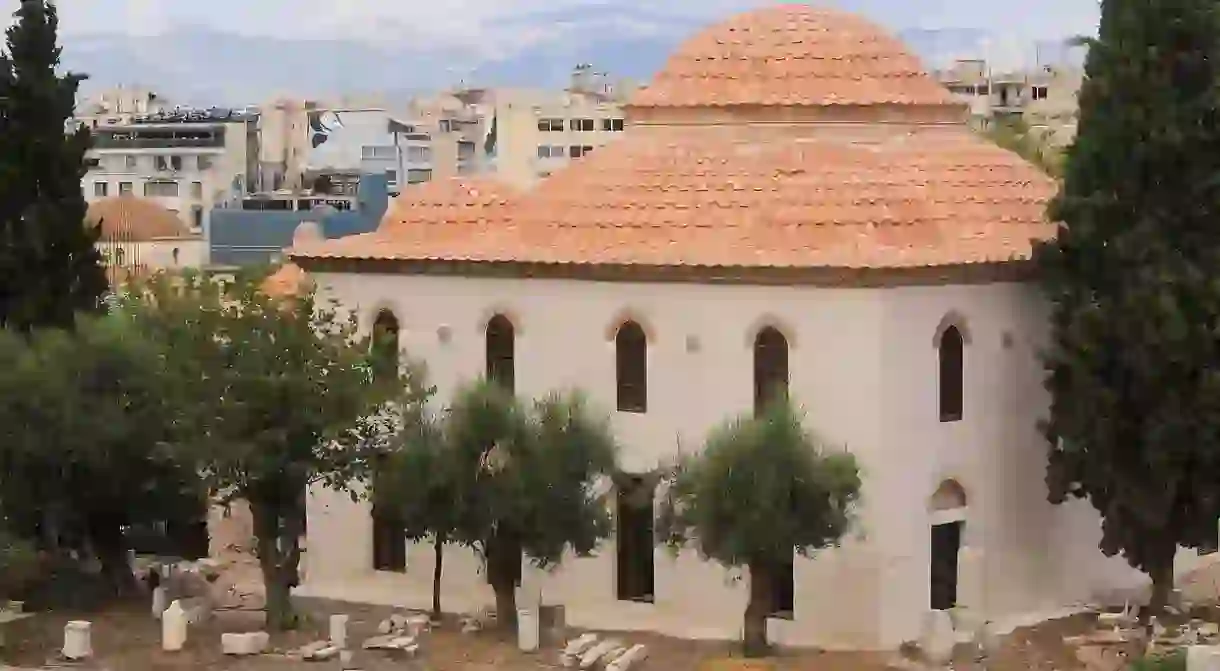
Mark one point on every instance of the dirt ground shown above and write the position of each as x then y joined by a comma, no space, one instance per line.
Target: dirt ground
127,638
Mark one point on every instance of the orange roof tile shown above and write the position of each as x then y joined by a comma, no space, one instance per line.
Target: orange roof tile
287,282
440,213
698,197
792,55
798,195
127,218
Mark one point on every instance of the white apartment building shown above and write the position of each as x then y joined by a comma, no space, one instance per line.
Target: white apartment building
187,162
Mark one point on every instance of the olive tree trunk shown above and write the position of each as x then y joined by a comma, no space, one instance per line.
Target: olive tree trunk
503,573
438,551
754,625
277,529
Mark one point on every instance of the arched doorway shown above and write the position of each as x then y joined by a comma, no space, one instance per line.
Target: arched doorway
947,510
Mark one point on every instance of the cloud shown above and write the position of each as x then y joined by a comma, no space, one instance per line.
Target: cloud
474,23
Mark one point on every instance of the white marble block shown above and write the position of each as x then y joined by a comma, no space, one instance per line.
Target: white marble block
78,640
527,630
252,643
1203,658
338,630
938,638
594,655
173,627
634,655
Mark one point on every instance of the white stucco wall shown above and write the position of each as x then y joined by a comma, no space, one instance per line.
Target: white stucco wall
862,363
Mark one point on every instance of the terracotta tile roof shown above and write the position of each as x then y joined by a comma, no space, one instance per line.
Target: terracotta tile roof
129,218
444,203
287,282
792,55
699,197
434,216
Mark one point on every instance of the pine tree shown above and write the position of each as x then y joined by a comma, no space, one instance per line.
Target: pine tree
49,268
1132,282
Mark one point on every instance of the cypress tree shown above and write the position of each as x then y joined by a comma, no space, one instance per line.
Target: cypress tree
1134,287
49,268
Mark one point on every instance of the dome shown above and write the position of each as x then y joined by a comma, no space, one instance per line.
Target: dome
307,232
792,55
130,219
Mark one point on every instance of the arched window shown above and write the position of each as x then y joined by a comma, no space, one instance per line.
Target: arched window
385,344
951,352
631,359
770,368
501,366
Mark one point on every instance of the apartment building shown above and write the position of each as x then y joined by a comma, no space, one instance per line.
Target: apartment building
187,161
1044,97
539,132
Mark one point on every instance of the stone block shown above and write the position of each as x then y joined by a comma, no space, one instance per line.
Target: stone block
594,655
633,656
937,637
1203,658
249,643
338,630
174,623
78,640
319,651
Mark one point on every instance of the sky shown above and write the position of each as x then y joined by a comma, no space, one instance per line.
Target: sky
455,22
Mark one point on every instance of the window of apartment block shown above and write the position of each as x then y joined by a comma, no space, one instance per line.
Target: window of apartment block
418,176
160,163
581,124
391,177
125,188
551,151
197,190
175,162
203,162
197,217
419,154
161,189
576,151
550,125
100,189
635,575
130,162
1039,93
612,124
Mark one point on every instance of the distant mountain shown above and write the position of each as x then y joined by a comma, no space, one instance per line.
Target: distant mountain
196,65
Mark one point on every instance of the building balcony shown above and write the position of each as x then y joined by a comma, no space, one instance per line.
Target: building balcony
109,142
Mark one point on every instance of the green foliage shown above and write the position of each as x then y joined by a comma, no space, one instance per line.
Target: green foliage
18,564
1131,283
1173,661
85,431
520,481
761,489
274,394
1015,135
49,269
529,471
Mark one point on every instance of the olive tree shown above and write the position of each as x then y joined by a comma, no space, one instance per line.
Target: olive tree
762,488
